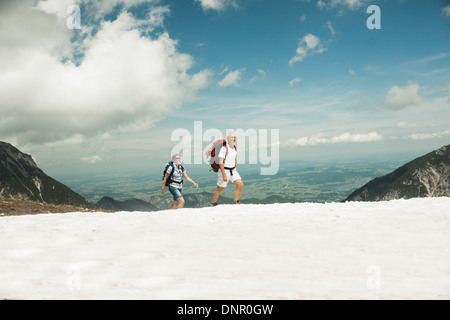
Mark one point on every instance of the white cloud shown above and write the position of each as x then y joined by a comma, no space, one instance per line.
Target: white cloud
375,70
425,60
329,26
99,7
124,82
23,26
262,75
400,97
425,136
352,72
75,139
156,17
92,159
311,41
343,138
217,5
342,4
446,11
57,7
404,124
231,79
351,4
225,70
294,81
321,4
308,45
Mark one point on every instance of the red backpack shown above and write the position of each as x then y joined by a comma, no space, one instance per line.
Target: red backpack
213,153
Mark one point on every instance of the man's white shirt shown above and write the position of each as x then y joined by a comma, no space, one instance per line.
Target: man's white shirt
230,159
230,162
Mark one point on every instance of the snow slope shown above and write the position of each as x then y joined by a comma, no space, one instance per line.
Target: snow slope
385,250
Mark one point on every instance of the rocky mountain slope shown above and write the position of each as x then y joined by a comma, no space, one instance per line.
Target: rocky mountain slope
17,207
20,178
427,176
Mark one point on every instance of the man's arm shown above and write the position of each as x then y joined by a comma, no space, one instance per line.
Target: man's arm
222,168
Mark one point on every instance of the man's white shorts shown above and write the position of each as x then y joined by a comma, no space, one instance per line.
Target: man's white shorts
230,177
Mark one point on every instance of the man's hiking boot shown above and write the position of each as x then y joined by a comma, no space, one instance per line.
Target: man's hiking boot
213,204
237,202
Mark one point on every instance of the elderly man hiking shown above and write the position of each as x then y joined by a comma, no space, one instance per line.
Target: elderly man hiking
228,170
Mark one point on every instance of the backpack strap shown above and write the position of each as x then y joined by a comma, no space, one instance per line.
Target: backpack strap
226,168
171,173
226,146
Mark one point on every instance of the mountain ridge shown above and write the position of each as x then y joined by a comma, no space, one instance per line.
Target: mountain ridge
21,178
426,176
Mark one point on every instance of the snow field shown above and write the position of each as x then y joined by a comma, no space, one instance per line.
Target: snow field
385,250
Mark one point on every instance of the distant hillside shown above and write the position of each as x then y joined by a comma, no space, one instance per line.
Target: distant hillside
20,178
164,202
427,176
193,200
204,199
108,203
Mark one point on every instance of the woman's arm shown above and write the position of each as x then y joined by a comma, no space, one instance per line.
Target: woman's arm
190,180
164,183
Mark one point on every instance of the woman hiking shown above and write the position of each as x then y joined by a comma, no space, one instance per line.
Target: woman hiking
175,172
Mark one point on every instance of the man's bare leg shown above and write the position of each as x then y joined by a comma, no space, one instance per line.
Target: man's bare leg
239,186
217,194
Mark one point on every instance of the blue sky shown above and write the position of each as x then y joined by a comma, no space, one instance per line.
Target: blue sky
109,95
341,90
